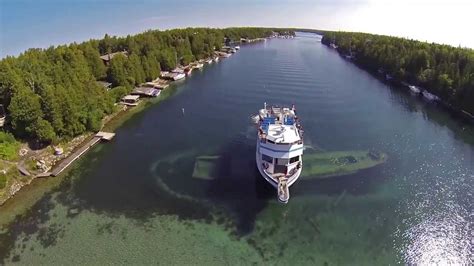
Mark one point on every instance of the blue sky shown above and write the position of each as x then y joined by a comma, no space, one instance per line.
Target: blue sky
41,23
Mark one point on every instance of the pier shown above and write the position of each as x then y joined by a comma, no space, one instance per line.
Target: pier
80,151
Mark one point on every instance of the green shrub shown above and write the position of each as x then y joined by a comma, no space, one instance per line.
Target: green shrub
8,146
3,180
118,92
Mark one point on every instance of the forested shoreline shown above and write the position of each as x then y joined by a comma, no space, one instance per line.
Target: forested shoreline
443,70
52,94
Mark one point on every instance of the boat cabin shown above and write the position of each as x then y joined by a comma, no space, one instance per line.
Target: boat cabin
280,141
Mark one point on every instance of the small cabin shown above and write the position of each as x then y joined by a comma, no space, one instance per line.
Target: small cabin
107,85
130,100
107,57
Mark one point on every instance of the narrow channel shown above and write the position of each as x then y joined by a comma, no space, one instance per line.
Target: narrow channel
136,197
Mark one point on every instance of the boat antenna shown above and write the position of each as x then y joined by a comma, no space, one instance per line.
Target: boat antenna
265,105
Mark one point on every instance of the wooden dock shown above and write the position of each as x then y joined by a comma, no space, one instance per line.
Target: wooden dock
69,160
80,151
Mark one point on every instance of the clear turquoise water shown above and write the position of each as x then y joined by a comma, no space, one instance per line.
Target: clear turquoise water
134,200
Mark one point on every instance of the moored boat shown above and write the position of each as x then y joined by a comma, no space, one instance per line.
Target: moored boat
188,71
174,76
279,148
414,89
429,96
198,65
179,76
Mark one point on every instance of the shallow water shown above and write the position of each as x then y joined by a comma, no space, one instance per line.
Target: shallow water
134,200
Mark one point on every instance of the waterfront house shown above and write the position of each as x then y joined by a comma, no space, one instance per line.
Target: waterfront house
158,84
146,91
130,100
178,70
172,75
107,57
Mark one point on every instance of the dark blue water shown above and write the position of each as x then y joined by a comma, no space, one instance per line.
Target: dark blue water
134,200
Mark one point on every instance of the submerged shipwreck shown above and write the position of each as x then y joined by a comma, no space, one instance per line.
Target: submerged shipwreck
318,165
229,172
197,179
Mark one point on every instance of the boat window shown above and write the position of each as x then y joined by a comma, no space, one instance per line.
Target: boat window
282,161
294,159
267,158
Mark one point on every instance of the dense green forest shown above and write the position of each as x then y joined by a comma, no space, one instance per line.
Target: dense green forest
52,94
443,70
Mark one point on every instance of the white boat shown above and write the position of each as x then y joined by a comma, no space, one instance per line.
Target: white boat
179,76
198,65
216,59
209,61
172,75
429,96
279,148
237,47
414,89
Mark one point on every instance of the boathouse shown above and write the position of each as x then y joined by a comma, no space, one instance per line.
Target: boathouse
130,100
146,91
